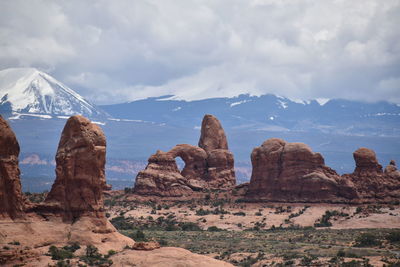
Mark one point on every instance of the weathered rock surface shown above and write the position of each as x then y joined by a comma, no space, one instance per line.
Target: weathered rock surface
211,165
152,245
212,134
391,170
165,256
11,199
80,159
293,172
370,181
220,169
161,177
195,160
366,162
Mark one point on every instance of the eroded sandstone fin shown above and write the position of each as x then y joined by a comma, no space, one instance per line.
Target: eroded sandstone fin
11,198
80,174
292,172
209,166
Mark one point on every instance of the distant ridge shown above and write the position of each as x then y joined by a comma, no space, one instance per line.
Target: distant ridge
268,113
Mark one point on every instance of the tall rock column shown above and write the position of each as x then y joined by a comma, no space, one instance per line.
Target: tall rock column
220,161
80,159
11,199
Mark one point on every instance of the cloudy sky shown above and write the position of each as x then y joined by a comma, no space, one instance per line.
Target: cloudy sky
120,50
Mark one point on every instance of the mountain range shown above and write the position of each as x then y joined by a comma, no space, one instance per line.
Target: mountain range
37,106
269,113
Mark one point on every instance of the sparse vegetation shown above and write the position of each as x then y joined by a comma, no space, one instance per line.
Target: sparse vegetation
92,257
325,220
367,240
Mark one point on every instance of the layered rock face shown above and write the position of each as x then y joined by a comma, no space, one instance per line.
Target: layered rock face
80,176
210,165
293,172
11,199
369,179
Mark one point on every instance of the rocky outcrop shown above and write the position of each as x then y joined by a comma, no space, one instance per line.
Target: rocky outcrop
11,199
220,169
371,182
195,160
212,134
211,165
293,172
161,177
391,170
80,177
366,162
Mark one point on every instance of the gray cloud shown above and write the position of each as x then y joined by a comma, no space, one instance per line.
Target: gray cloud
115,51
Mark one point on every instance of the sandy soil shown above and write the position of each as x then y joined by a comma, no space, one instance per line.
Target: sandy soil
271,214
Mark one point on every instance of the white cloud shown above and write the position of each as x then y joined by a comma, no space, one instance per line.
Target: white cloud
114,51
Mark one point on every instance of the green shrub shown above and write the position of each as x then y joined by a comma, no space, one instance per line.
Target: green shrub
190,226
138,235
202,212
121,223
367,240
94,258
60,253
73,247
393,237
240,213
214,229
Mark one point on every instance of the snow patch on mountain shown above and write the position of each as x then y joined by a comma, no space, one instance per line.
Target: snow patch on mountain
239,102
29,90
322,101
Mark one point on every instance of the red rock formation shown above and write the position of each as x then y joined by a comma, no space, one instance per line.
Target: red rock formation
292,172
11,199
370,181
80,159
161,177
195,160
366,162
391,170
220,169
209,166
212,134
220,162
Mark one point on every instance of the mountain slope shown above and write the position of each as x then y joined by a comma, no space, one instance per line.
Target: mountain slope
269,113
28,90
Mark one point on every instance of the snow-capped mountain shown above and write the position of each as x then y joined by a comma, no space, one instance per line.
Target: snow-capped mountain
32,92
269,113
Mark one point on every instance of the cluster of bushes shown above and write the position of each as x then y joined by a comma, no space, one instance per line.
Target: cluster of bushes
367,240
300,212
280,209
325,220
371,240
92,256
122,223
216,211
36,197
